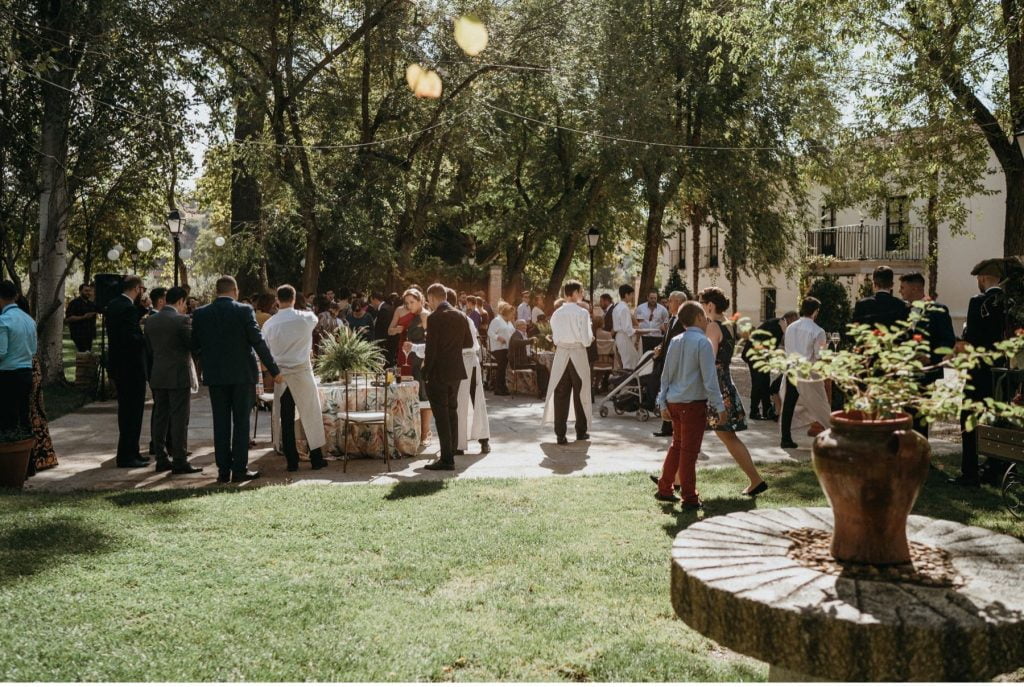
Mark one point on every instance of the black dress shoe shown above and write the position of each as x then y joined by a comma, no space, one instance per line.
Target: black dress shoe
244,476
667,498
675,487
318,464
163,466
583,437
755,416
438,465
292,467
662,434
772,417
185,469
223,477
788,444
759,489
459,452
562,440
485,446
132,463
965,481
699,505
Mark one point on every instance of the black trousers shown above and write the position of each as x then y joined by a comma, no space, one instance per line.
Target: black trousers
83,342
15,398
981,379
444,402
231,404
788,406
569,385
131,406
501,383
288,447
760,393
171,408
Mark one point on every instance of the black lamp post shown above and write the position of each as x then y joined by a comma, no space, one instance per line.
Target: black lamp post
174,222
592,237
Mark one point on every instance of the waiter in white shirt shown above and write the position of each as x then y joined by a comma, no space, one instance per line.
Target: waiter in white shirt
652,314
622,325
806,339
571,333
289,335
524,311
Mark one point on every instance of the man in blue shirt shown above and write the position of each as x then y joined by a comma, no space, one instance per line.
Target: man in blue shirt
17,346
689,383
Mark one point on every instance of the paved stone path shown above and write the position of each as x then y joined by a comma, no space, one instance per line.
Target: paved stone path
521,447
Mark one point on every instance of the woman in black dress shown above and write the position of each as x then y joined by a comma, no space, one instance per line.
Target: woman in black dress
723,342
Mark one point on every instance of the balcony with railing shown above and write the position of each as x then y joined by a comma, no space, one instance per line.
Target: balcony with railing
869,242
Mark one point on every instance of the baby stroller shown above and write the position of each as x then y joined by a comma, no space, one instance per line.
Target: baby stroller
628,395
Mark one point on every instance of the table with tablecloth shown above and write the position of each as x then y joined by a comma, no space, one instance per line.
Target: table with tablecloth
403,419
525,380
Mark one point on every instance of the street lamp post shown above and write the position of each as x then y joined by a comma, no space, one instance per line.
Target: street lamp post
174,223
592,237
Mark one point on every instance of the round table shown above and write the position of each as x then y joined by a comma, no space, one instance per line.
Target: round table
752,582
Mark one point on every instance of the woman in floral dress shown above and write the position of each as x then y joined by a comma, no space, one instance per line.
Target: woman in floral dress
723,343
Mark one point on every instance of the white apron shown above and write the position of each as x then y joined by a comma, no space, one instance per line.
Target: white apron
577,353
473,423
811,407
307,404
627,350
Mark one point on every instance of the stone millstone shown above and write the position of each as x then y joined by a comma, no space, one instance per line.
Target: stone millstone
734,580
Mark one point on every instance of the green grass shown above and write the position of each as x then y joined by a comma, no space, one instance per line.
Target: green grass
552,579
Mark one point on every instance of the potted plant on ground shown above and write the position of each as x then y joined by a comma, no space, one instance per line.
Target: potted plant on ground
871,464
346,351
15,451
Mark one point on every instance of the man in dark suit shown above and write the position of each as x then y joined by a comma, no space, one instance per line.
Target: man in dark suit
126,362
381,323
169,340
674,329
881,308
761,406
520,359
443,370
936,326
985,327
225,333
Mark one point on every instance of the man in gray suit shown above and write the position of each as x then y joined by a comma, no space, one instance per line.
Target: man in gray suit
169,339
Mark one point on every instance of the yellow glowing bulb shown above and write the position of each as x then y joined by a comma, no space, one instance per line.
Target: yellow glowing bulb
471,35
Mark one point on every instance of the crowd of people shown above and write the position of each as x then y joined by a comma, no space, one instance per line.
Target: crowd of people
446,340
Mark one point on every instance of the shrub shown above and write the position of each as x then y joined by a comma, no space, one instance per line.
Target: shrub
345,351
676,283
835,304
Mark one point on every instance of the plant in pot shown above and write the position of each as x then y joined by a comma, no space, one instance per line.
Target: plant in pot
871,464
345,351
15,452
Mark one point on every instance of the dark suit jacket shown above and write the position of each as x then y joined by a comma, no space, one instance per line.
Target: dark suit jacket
127,346
675,328
224,333
447,334
381,322
169,340
517,358
937,327
881,308
985,326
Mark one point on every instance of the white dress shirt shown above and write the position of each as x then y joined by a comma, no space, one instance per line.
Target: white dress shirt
651,318
570,324
523,312
289,335
805,338
622,319
535,313
499,327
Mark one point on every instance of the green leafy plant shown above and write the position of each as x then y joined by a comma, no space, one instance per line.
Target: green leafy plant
835,303
345,351
881,374
15,434
675,283
543,341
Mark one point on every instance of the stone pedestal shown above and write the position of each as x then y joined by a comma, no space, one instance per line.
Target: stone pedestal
760,583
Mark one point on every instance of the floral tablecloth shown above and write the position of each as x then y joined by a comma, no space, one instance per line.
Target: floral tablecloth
403,420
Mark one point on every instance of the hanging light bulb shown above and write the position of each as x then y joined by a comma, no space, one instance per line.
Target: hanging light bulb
144,245
471,35
413,73
219,241
113,254
118,247
185,253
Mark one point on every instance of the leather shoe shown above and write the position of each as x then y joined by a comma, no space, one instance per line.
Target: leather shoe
485,446
675,487
964,481
244,476
759,489
292,467
132,463
755,416
583,437
438,465
459,452
662,434
699,505
562,441
319,464
788,444
667,498
185,469
163,466
223,477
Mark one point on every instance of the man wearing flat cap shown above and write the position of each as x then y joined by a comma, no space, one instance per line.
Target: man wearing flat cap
985,326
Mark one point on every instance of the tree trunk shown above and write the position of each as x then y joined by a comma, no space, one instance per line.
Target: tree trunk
1013,237
561,268
246,198
931,214
734,282
51,257
653,240
695,227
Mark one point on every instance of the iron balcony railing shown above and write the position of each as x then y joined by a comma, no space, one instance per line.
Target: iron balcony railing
869,242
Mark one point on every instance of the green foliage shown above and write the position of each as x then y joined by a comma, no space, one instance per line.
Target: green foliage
881,374
835,303
543,341
675,283
345,351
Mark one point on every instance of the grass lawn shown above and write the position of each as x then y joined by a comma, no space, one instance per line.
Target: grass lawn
547,579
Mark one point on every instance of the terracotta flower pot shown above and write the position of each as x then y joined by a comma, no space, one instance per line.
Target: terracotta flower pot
871,472
14,457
